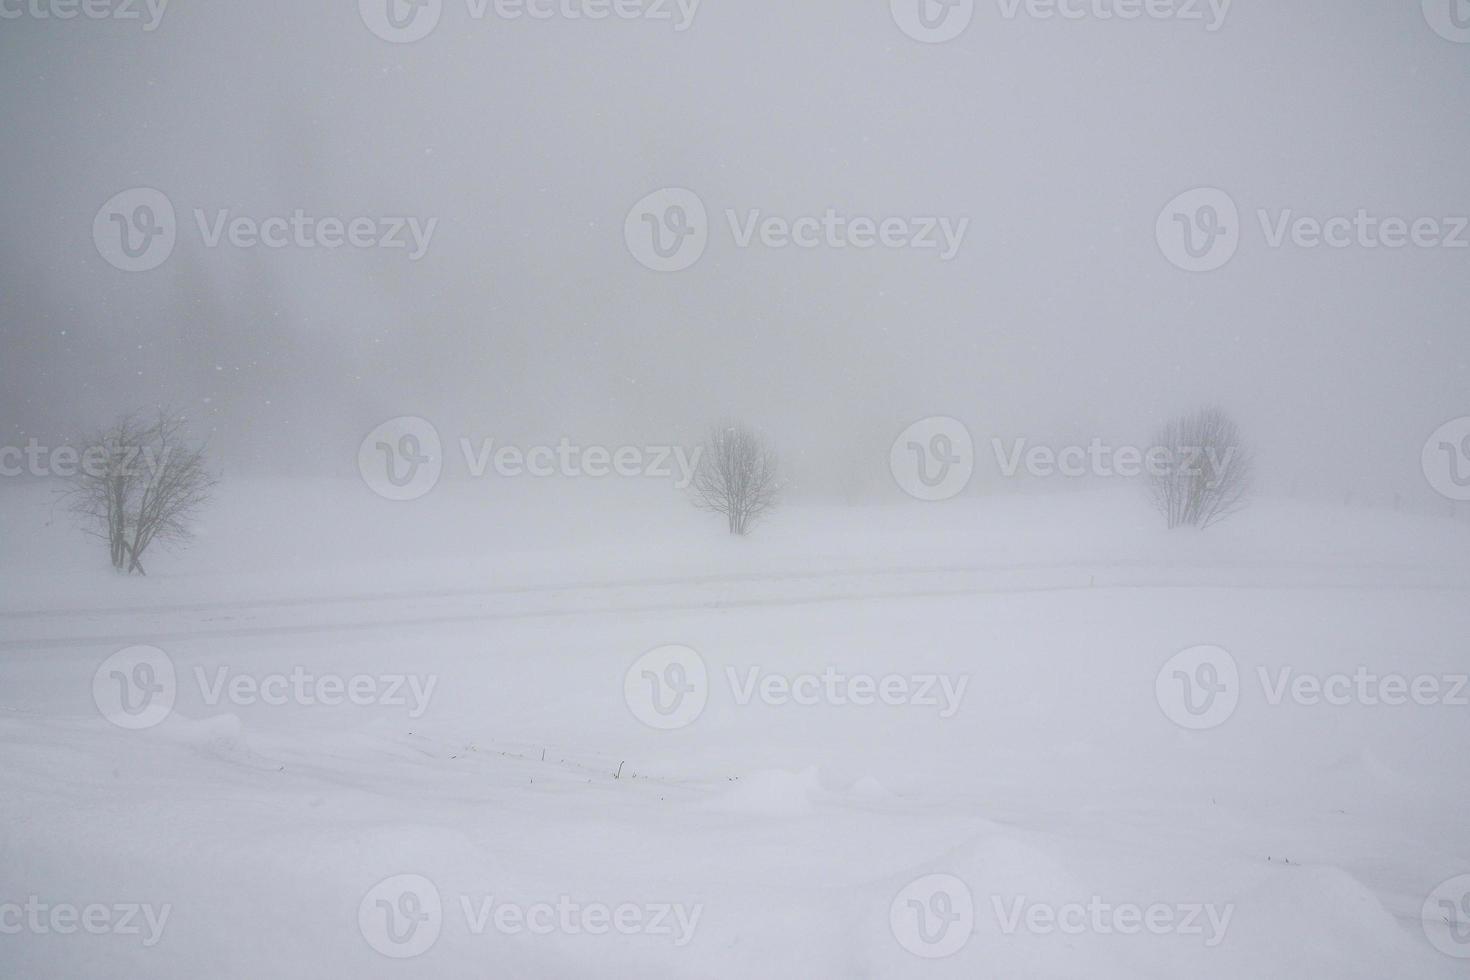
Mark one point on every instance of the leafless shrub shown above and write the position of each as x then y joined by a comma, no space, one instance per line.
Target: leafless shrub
144,483
1208,476
737,476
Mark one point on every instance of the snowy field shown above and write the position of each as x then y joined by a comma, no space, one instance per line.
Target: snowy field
670,490
906,740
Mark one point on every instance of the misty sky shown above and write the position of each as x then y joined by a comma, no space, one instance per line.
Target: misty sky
528,319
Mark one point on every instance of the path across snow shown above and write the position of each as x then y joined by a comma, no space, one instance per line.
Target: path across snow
767,836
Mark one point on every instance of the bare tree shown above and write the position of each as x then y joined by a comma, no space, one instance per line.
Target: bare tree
140,482
1208,473
738,476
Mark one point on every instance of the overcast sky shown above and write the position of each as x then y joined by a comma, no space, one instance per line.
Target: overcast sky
528,318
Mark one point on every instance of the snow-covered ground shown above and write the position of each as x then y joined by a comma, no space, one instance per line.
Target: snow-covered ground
1037,800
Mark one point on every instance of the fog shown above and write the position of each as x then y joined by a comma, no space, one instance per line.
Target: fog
734,488
1058,320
